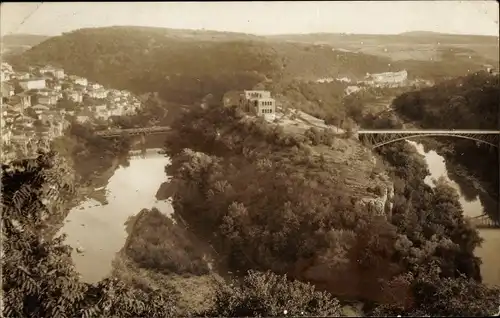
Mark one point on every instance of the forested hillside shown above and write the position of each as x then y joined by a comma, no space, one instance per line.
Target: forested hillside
468,102
185,66
287,215
39,278
244,182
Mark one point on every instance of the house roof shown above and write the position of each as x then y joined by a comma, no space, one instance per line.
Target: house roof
40,107
84,112
52,68
32,79
23,94
14,104
7,85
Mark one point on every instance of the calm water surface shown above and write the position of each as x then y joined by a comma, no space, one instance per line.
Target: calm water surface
99,229
489,252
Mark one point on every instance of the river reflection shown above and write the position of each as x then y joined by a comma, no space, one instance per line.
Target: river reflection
488,252
99,230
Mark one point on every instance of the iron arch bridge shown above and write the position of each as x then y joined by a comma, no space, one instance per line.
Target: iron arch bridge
133,131
484,222
378,138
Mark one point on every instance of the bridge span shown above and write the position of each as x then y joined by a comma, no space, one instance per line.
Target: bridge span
374,137
380,137
133,131
428,131
484,222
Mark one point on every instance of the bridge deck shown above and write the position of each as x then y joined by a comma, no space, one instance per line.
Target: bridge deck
484,221
429,131
146,130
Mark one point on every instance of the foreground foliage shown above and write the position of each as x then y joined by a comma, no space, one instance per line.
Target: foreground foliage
269,295
244,182
39,279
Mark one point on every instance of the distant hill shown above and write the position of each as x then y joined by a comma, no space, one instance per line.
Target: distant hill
183,66
416,45
23,39
18,43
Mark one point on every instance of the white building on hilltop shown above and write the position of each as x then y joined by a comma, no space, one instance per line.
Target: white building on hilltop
387,78
260,103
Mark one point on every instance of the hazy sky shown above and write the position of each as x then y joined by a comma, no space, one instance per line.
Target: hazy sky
390,17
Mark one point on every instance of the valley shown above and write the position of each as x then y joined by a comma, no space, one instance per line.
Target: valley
230,208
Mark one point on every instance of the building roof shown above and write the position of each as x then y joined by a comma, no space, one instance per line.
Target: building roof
390,74
23,94
32,79
53,68
7,85
256,91
40,107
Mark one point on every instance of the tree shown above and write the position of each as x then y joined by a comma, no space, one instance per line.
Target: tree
264,294
435,295
38,277
66,104
36,268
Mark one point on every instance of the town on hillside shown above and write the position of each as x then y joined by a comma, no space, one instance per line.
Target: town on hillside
38,105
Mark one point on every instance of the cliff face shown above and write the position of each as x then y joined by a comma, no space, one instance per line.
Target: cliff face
366,182
382,204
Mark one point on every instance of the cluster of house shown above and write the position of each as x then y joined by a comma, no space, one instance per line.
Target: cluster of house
39,105
388,79
256,102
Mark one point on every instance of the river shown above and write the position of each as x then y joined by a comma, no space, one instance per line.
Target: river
488,251
98,230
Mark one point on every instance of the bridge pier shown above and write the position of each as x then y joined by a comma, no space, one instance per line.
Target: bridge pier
143,143
143,139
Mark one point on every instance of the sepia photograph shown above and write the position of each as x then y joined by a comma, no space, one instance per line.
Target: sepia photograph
250,159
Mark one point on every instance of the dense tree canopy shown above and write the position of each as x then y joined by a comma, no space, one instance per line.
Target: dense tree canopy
38,277
89,154
267,201
269,295
467,102
245,182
